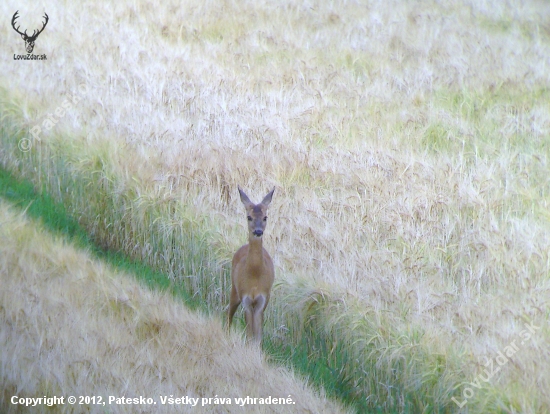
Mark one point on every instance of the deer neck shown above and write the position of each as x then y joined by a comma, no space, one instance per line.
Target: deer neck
255,252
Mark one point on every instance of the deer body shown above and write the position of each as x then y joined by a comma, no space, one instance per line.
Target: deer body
252,271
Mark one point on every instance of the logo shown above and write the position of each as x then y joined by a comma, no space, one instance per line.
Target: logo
29,40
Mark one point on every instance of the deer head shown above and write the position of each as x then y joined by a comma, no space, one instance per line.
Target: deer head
256,213
29,40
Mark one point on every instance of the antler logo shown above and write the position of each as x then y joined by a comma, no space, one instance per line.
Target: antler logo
29,40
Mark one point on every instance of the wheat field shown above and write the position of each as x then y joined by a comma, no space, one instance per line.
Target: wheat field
408,143
72,326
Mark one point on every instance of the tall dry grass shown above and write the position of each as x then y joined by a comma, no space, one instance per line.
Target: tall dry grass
408,143
70,325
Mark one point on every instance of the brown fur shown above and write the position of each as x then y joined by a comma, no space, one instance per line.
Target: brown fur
252,271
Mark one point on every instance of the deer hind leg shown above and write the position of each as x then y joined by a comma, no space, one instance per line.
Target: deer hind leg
234,303
254,316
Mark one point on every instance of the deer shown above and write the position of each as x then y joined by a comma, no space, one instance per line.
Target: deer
29,40
252,271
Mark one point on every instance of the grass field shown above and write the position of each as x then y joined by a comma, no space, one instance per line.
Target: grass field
73,326
409,144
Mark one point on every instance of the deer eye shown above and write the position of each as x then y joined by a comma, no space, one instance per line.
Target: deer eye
265,218
249,218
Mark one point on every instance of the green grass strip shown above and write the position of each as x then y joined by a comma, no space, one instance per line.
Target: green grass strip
41,206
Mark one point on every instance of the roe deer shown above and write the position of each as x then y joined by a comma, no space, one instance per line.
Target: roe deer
252,271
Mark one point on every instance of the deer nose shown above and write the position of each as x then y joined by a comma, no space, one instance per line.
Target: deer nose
258,233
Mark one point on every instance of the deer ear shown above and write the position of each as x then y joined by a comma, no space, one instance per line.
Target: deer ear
267,198
244,198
